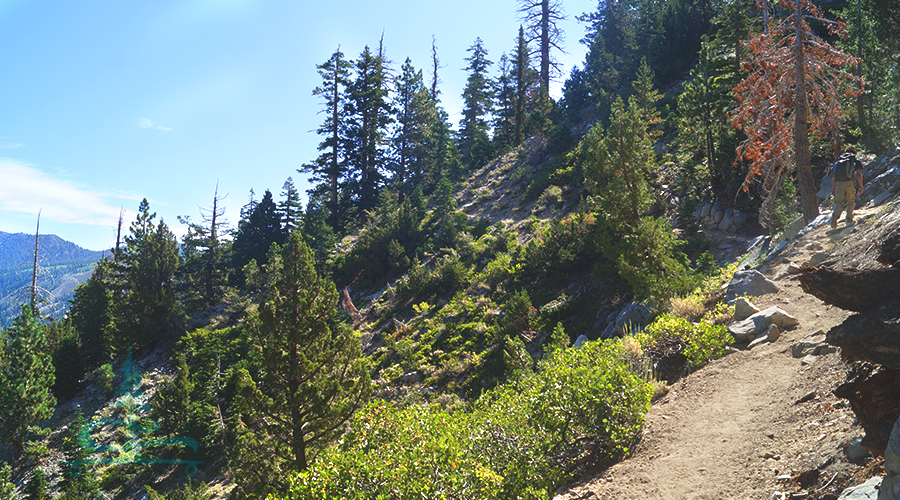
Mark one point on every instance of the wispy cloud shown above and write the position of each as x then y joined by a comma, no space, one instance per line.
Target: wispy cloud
11,145
26,190
148,123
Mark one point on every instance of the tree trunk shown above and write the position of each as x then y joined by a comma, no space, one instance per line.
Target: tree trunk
545,45
809,205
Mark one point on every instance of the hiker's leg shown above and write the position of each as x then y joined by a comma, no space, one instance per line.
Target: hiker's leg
838,205
851,203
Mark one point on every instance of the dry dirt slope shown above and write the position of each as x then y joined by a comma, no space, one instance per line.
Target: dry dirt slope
738,427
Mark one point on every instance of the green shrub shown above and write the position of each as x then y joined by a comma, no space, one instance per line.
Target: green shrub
188,492
105,379
36,489
515,442
703,341
7,486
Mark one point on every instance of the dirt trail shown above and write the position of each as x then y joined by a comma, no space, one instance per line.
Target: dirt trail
732,428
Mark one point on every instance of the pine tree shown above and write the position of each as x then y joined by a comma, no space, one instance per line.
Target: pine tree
290,207
25,396
474,143
617,167
793,88
524,78
259,227
148,311
505,107
173,401
542,18
92,312
78,481
313,375
67,361
368,115
703,117
329,170
202,274
317,233
412,136
36,489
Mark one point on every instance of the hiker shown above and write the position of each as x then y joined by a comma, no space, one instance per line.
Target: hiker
843,172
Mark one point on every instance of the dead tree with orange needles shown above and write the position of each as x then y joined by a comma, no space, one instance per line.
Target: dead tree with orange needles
793,88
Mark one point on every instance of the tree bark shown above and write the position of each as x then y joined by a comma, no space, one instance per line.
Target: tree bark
809,205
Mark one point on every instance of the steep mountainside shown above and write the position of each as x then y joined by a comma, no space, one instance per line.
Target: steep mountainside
64,265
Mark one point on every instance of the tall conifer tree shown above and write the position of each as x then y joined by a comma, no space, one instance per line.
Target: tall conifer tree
148,310
25,396
369,114
478,95
329,170
313,375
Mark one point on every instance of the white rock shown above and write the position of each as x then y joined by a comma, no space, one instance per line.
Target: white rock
743,309
855,451
748,329
793,228
580,340
890,488
631,318
865,491
749,282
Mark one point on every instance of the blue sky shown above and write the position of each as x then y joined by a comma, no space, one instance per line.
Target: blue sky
103,103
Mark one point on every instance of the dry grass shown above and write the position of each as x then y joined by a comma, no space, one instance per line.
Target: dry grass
690,308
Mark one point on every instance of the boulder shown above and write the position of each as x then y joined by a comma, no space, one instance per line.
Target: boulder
812,345
411,378
866,491
779,247
855,452
610,331
880,184
793,269
816,259
750,282
774,333
890,487
716,214
793,228
748,329
771,335
580,340
824,188
743,309
821,220
881,198
873,336
631,318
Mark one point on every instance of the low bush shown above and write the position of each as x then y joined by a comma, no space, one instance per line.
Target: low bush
517,441
703,341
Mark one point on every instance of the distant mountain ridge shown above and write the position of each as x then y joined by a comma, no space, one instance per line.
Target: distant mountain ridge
67,264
